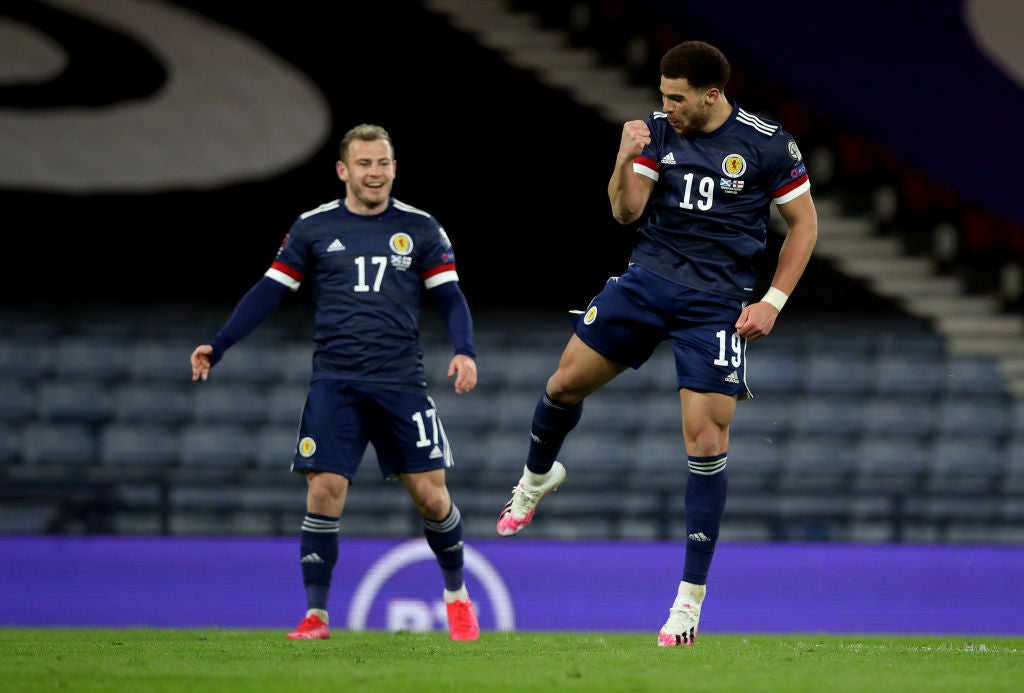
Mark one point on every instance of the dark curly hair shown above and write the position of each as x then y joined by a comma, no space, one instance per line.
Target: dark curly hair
699,63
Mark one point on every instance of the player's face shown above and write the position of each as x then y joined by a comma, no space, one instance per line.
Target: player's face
369,175
687,108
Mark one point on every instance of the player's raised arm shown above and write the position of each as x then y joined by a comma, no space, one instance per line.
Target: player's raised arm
628,192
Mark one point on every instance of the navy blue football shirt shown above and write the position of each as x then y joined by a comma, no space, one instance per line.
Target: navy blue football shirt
366,275
708,213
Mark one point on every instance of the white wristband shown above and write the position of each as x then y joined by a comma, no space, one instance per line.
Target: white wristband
776,298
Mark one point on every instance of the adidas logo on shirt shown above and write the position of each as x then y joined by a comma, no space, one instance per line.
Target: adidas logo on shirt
668,159
732,378
335,246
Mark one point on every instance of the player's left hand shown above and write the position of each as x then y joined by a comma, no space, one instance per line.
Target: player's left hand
464,370
202,362
756,320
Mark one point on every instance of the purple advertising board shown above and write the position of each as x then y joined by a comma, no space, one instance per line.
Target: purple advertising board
518,584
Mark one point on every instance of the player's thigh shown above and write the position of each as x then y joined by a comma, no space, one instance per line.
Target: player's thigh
620,324
710,356
407,433
332,430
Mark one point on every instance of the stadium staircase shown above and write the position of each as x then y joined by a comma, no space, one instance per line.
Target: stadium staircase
559,43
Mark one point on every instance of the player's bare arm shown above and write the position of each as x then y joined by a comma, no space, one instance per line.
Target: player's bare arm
627,191
758,319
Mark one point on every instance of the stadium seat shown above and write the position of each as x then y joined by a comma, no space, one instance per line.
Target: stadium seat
632,383
275,446
512,410
818,516
660,413
75,401
17,401
1010,511
1012,484
655,378
388,525
660,453
890,465
507,450
973,415
974,375
769,417
838,373
906,416
10,443
60,444
284,403
138,445
773,373
251,362
910,342
150,360
1016,417
659,463
220,522
836,339
217,446
591,451
611,411
960,518
154,402
229,403
92,358
815,415
296,364
898,374
24,358
471,451
754,463
467,411
817,464
964,466
524,368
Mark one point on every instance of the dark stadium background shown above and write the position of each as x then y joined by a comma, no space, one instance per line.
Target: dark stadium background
515,171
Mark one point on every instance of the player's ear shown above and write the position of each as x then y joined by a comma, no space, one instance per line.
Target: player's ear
342,170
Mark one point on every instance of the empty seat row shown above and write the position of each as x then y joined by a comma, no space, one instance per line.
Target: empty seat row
268,361
110,360
146,402
893,463
890,374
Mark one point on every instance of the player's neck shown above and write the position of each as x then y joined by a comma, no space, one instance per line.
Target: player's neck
357,206
720,113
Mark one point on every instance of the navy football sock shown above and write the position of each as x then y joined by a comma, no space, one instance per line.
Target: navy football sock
318,550
706,489
445,539
552,422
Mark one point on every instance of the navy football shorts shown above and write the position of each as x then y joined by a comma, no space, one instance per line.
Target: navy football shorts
340,418
634,313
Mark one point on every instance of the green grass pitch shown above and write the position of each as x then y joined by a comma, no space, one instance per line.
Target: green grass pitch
50,659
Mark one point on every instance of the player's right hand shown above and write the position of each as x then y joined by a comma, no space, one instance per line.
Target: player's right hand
201,362
635,136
